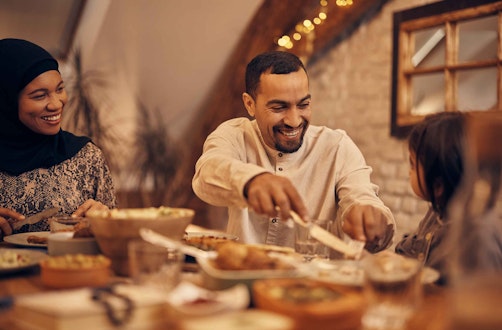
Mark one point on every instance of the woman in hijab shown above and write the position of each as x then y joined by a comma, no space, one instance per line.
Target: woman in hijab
42,166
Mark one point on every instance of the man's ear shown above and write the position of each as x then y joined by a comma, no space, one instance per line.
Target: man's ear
249,103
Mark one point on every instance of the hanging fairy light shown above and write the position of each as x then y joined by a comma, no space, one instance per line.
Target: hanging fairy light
308,25
343,3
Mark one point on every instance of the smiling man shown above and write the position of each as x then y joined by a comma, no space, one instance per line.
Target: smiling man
263,168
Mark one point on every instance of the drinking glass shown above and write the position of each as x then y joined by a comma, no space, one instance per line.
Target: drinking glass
308,246
154,266
393,290
475,215
67,223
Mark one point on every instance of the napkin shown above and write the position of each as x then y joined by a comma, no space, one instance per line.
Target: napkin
75,309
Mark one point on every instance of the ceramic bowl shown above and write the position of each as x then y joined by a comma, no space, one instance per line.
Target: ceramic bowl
311,304
114,229
64,243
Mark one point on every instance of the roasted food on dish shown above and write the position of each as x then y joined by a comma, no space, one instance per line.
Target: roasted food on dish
34,239
237,256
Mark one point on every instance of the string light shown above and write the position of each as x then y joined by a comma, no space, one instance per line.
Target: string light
308,25
343,3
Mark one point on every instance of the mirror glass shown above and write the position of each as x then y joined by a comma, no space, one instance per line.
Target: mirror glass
428,94
429,47
478,39
477,89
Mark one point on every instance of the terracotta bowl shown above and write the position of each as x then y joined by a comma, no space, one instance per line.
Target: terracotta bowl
114,229
75,270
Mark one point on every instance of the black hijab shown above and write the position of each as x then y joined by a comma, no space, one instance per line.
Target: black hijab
21,149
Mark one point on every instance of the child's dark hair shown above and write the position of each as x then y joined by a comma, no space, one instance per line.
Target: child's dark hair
437,142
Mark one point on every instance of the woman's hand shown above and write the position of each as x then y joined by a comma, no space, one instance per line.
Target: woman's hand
89,205
5,227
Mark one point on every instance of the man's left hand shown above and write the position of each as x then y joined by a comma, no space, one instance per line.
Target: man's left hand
368,223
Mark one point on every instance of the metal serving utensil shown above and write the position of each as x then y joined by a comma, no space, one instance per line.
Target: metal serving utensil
35,218
161,240
351,249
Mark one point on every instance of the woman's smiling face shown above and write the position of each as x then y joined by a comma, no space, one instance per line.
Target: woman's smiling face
282,109
41,103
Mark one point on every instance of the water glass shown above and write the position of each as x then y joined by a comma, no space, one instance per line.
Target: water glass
154,266
393,290
308,246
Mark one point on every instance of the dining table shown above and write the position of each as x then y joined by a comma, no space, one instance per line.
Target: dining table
432,313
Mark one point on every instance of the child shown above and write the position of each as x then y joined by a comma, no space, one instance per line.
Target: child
436,166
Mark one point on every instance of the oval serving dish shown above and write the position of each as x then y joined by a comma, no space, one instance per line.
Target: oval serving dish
75,270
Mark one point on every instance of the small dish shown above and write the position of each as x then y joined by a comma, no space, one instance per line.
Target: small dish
189,300
64,243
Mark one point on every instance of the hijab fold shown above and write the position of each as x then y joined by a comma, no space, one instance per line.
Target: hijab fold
21,149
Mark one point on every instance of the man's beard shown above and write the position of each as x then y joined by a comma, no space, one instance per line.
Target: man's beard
291,146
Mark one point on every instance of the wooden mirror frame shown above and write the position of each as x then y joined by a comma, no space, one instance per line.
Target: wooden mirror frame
429,13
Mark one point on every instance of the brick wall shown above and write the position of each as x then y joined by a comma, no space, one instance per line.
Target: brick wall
351,88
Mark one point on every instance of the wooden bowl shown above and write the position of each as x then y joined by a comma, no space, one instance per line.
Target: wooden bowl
311,304
75,270
114,229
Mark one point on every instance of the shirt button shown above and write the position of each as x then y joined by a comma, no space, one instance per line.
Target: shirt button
280,168
274,220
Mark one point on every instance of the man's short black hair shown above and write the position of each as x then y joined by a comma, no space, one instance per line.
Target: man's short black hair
274,62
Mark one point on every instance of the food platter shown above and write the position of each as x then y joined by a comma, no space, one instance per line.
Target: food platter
350,272
31,258
21,239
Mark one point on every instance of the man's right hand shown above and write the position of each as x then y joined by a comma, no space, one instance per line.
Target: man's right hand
5,227
266,192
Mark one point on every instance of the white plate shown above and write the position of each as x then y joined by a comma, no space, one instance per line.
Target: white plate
350,272
34,258
206,240
21,239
